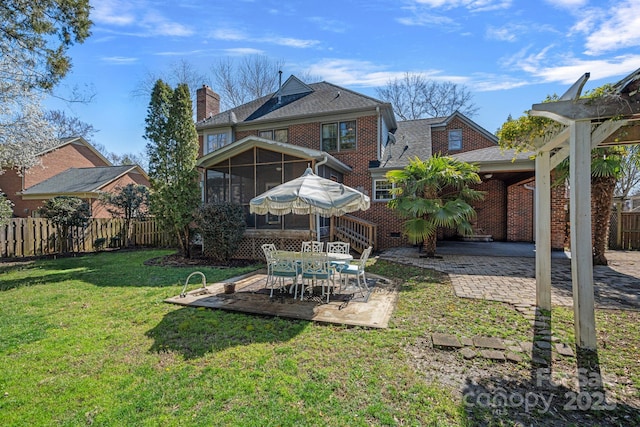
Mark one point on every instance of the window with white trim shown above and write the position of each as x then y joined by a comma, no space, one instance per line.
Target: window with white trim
382,189
215,141
455,139
339,136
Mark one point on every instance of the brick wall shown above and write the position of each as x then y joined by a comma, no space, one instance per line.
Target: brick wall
72,155
520,206
559,218
59,160
521,211
491,212
472,139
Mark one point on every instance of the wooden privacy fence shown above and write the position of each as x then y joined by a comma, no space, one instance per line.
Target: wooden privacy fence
23,237
625,231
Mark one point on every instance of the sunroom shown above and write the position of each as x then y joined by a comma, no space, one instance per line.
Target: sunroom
248,167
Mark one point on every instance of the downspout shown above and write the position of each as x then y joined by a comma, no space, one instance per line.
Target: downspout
320,163
379,132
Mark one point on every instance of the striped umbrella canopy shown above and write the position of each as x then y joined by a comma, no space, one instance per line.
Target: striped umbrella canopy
310,194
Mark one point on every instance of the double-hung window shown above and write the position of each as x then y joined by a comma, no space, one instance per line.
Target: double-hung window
339,136
455,139
382,189
215,141
280,135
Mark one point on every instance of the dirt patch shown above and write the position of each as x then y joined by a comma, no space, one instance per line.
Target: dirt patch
520,394
176,260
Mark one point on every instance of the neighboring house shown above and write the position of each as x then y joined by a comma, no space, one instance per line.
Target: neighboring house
72,168
355,139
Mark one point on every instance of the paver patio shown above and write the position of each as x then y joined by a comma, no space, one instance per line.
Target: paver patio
511,279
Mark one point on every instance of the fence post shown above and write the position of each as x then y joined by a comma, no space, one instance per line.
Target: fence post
619,224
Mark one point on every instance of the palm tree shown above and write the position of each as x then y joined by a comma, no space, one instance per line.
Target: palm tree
606,169
434,193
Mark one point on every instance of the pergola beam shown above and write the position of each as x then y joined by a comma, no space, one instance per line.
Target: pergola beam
586,109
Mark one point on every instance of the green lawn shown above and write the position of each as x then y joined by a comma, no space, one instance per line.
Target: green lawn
89,341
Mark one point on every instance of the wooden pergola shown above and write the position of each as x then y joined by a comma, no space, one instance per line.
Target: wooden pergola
587,124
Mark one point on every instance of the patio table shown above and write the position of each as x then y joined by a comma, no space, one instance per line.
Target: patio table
334,258
330,256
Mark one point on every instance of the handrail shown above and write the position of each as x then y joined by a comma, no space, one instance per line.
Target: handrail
359,233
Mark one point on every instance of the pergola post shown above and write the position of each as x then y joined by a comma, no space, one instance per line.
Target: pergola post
578,115
581,243
543,230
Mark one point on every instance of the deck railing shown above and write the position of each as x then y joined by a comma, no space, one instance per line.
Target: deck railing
359,233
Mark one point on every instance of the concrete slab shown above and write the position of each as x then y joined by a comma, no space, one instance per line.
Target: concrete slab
445,340
489,342
251,296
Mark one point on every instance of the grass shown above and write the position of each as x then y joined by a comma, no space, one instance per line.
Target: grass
89,341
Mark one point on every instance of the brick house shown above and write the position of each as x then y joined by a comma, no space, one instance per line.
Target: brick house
355,139
72,168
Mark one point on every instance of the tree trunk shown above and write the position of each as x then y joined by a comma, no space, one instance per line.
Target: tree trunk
429,246
602,194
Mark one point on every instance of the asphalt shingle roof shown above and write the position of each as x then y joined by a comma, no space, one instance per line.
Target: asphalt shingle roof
412,139
326,98
492,154
79,180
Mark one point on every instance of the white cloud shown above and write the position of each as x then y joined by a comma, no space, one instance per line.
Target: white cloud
599,69
242,51
119,60
112,12
345,72
472,5
620,29
235,35
567,4
508,33
139,15
228,34
290,42
158,25
428,19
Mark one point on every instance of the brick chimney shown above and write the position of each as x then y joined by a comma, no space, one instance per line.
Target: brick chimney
207,103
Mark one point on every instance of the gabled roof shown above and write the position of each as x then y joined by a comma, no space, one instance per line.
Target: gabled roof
297,100
444,121
249,142
76,140
80,180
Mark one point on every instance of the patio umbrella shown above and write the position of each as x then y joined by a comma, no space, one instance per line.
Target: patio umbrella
310,194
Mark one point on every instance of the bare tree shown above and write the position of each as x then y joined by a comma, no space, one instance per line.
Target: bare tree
180,72
415,97
629,183
68,126
239,82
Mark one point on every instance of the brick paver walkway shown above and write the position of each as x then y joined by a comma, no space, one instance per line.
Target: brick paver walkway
512,279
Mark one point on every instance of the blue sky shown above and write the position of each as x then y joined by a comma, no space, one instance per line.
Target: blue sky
508,53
